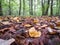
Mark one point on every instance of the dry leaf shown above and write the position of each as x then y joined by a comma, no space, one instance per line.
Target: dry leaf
27,25
16,19
58,23
6,42
44,26
38,24
34,33
51,31
5,22
58,27
36,20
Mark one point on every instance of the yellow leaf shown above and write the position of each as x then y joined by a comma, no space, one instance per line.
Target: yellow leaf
16,19
36,20
34,33
27,25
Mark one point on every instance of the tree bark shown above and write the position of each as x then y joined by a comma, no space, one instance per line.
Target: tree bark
43,8
58,7
9,8
20,7
48,4
35,7
23,7
1,12
51,9
31,7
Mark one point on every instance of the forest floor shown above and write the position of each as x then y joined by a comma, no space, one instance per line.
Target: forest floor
43,30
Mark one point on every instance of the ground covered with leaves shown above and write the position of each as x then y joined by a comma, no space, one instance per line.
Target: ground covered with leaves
42,30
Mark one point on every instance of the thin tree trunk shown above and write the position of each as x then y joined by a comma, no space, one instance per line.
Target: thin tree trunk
43,8
31,7
23,7
51,12
57,7
48,3
9,8
20,7
1,12
35,7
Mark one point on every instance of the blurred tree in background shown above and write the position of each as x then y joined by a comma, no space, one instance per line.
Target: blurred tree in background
30,7
1,12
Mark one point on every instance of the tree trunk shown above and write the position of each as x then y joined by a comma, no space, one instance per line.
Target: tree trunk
51,12
23,7
35,7
48,3
31,7
58,7
9,8
1,12
43,8
20,7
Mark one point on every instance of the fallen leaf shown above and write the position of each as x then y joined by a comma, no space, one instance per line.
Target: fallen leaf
6,42
51,31
5,22
27,25
34,33
16,19
44,26
36,20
